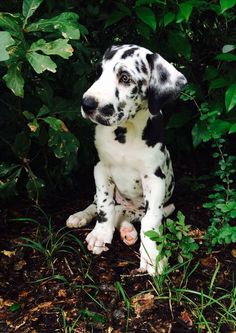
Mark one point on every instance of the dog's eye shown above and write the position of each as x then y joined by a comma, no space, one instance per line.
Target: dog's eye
125,78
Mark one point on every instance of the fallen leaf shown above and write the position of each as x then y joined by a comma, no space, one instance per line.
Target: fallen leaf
42,306
23,294
61,293
141,303
185,317
233,252
19,265
8,253
209,262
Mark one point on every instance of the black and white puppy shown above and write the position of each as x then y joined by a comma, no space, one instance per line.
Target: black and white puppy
134,177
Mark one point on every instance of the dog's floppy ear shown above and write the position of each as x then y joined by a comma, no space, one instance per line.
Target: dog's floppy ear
165,82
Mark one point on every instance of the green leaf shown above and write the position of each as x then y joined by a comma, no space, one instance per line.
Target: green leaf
28,115
66,23
199,132
230,97
153,235
219,127
58,47
226,57
227,4
232,129
11,23
228,48
29,7
115,17
218,83
41,63
185,11
14,80
54,123
147,15
5,41
43,111
15,307
168,18
180,43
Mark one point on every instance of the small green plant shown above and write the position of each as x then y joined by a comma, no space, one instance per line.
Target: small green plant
173,238
122,293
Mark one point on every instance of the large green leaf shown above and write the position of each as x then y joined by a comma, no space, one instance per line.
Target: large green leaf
230,97
227,4
11,23
180,43
147,15
29,7
41,63
5,42
185,11
66,23
226,57
14,80
58,47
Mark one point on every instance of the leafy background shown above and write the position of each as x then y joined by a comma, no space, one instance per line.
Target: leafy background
48,52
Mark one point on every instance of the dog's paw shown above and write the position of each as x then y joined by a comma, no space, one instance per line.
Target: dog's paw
77,220
98,238
148,258
128,233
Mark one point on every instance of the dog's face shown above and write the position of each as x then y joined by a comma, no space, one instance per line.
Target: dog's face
131,78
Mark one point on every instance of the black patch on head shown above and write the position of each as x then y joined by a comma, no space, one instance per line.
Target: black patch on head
99,70
159,173
162,148
151,58
137,181
120,134
101,217
134,90
109,54
120,115
117,93
129,52
154,130
102,121
107,110
121,106
163,74
143,67
146,206
157,99
137,66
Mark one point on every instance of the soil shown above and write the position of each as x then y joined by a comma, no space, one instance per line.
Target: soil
74,291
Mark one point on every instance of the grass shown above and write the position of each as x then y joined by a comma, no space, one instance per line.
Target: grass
210,306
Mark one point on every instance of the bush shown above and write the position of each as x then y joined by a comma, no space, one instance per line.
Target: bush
48,52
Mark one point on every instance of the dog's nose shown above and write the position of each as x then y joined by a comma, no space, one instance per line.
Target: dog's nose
89,104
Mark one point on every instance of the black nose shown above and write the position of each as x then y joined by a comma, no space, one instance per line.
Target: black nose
89,104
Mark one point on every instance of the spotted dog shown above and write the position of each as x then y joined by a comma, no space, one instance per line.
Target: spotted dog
134,177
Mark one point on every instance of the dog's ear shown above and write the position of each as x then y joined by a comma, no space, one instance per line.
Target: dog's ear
165,82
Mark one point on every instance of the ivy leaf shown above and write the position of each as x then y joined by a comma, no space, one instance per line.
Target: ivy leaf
12,23
168,18
58,47
147,15
5,41
66,23
55,124
227,4
232,129
115,17
199,133
226,57
29,7
185,11
14,80
230,97
41,63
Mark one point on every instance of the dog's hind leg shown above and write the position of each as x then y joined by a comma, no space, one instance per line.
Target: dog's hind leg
82,218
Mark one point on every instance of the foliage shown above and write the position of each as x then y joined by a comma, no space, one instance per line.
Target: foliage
48,50
173,238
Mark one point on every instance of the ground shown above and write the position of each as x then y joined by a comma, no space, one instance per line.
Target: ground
50,283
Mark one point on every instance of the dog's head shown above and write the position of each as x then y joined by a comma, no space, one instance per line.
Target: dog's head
131,78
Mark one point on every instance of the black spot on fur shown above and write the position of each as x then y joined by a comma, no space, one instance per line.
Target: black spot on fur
99,70
172,184
143,67
168,162
154,130
129,53
120,134
101,217
106,193
159,173
102,121
121,106
137,66
137,181
120,115
134,90
162,148
109,54
146,206
151,58
162,73
107,110
117,93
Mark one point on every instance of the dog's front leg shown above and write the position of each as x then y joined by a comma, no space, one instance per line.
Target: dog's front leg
154,194
103,231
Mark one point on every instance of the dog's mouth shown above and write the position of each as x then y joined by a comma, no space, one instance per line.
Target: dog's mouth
96,118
